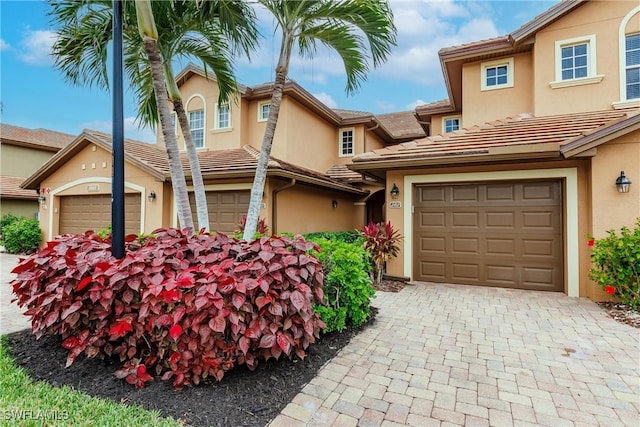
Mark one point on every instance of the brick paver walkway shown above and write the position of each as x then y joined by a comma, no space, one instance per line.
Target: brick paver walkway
11,317
442,355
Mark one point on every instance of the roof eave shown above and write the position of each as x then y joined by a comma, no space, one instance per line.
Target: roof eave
545,19
593,140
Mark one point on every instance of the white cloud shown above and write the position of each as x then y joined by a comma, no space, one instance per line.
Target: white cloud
131,129
326,99
414,104
385,106
4,45
36,46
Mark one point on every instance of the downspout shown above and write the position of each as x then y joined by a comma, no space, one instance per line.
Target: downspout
274,204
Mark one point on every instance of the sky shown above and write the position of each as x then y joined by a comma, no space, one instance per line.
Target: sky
33,94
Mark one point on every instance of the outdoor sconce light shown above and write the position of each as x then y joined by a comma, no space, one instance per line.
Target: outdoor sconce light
334,203
152,196
41,199
395,191
623,183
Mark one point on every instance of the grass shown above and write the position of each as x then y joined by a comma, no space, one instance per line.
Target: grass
26,402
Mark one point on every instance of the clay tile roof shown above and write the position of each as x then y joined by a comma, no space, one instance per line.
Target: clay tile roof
487,43
401,124
10,189
44,138
525,133
343,173
351,114
149,154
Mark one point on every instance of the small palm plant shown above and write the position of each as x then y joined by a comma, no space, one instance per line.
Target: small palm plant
382,243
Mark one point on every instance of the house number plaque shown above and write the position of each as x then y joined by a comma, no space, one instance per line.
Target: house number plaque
395,205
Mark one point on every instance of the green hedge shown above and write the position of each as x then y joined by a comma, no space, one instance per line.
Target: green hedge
347,284
349,236
21,236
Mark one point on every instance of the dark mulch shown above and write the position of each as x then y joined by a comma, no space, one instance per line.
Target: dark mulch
242,398
621,313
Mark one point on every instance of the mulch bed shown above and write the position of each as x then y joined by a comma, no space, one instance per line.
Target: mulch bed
621,313
242,398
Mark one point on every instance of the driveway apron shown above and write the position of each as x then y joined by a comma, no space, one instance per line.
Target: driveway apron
11,317
462,355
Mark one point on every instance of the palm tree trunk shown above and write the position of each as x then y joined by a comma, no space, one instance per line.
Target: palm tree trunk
257,190
149,36
202,209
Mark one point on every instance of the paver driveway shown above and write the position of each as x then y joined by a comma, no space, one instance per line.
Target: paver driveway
462,355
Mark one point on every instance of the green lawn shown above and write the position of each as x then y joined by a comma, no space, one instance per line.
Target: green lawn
25,402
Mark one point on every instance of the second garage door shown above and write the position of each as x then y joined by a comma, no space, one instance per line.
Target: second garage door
492,234
226,209
93,212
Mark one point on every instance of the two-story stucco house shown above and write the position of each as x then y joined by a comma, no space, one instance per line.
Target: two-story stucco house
522,160
22,151
308,188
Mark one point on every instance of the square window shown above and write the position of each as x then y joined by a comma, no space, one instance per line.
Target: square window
196,123
497,74
346,142
575,62
451,124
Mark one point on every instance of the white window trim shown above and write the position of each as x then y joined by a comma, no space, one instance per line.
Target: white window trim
217,117
622,62
592,75
492,64
353,134
444,122
204,127
260,105
204,122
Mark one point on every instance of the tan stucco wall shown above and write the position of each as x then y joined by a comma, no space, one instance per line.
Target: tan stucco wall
21,161
599,18
305,209
89,172
480,106
398,267
25,208
612,210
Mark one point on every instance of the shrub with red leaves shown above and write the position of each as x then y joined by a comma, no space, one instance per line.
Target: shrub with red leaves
382,242
180,305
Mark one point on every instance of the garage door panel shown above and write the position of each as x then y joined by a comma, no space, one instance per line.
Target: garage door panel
80,213
226,209
497,234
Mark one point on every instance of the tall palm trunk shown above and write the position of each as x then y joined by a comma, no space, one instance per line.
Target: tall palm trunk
257,190
149,34
202,209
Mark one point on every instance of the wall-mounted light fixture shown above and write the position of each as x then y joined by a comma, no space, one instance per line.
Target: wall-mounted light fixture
334,203
395,191
152,196
41,199
623,183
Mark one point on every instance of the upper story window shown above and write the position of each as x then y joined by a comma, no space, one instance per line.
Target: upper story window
450,124
576,62
496,74
263,111
632,66
174,122
196,123
346,142
223,116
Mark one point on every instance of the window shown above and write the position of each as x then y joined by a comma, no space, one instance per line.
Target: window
576,62
632,66
497,74
174,123
450,124
223,116
196,123
263,111
346,142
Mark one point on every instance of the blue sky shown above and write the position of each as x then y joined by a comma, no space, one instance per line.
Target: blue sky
35,95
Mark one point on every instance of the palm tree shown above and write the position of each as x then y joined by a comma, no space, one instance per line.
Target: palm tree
352,28
213,33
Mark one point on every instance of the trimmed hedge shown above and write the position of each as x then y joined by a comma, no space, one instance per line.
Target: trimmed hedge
178,305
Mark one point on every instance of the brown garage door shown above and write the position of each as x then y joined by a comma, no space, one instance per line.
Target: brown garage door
226,209
493,234
93,212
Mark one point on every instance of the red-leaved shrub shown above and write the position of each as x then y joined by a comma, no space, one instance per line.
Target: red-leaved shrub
177,305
